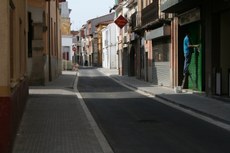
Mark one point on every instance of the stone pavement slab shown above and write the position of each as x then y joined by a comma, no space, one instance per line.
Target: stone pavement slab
54,121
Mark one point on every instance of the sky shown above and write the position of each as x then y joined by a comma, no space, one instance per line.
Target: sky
84,10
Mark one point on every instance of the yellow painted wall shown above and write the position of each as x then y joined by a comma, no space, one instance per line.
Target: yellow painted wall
13,49
65,26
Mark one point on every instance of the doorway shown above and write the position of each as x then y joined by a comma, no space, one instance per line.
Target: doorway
195,68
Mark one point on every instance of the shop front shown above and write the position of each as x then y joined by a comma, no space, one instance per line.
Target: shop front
187,17
190,21
161,53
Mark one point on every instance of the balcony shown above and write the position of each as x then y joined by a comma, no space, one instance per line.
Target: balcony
150,13
135,20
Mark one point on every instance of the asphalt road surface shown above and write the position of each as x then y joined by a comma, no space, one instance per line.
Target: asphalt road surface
134,123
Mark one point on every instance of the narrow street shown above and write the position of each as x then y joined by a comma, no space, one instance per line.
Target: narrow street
134,123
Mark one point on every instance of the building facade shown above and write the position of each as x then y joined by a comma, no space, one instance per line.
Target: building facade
92,37
134,20
100,27
121,37
77,58
66,37
13,69
83,46
208,22
146,39
109,50
44,43
30,54
157,50
150,45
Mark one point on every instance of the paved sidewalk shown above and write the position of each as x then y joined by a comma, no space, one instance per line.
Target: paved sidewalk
209,107
55,121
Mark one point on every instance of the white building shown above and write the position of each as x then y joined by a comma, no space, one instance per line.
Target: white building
109,49
67,42
67,37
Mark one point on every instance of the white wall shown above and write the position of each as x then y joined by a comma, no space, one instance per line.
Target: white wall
68,41
109,52
104,49
112,46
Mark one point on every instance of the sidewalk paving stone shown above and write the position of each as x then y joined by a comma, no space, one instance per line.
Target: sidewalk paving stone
54,121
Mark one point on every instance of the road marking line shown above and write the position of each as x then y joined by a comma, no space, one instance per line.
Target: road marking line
101,138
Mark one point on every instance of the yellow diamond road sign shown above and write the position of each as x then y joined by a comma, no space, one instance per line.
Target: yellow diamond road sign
121,21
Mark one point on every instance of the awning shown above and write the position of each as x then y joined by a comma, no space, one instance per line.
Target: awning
178,6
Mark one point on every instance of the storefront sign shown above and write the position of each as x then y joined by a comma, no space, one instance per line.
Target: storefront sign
157,33
189,17
121,21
